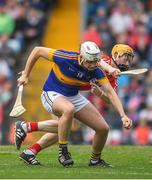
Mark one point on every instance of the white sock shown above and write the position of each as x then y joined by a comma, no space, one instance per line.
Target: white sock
29,152
26,126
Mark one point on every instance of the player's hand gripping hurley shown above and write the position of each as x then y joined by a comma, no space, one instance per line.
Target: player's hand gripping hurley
18,108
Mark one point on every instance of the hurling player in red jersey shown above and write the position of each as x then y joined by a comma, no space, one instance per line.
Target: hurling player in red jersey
122,56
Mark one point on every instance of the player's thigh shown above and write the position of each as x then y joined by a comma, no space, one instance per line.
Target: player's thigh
61,105
56,103
54,117
90,116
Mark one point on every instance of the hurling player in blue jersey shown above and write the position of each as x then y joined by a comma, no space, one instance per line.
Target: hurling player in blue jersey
61,96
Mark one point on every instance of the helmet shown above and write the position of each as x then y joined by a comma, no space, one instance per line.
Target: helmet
122,49
90,51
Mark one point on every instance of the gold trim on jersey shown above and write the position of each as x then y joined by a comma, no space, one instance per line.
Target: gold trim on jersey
103,80
66,55
51,54
54,52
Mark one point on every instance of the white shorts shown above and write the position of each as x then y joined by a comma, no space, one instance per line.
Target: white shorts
48,98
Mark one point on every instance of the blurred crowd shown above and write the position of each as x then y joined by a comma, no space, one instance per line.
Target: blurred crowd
21,23
109,22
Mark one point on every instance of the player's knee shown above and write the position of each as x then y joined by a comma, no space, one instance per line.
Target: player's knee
104,128
69,111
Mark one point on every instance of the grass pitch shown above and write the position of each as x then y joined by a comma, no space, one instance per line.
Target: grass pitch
129,161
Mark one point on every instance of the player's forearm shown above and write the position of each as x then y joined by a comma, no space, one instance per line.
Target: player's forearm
96,89
104,66
33,57
116,102
105,98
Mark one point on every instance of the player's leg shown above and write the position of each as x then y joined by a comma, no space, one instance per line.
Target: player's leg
92,118
29,155
22,128
64,109
45,141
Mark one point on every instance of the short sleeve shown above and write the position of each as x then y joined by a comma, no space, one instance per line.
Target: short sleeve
62,55
51,54
100,76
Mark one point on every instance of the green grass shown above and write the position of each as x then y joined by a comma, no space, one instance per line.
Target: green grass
129,161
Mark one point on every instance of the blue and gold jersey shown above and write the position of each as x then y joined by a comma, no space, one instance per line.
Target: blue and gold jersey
67,76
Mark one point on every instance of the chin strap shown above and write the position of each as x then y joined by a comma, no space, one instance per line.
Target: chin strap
80,60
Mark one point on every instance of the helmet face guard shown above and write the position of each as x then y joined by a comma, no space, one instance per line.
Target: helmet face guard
92,57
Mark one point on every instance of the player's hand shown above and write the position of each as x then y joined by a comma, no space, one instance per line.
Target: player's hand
114,72
127,122
95,89
23,79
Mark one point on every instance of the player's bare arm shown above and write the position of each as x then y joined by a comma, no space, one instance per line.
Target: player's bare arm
127,122
96,89
109,69
36,53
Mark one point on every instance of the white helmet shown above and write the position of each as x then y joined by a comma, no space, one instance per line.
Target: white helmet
90,51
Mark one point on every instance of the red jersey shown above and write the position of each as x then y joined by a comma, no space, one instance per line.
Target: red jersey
112,79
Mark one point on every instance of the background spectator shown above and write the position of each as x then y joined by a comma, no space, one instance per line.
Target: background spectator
126,21
108,22
20,21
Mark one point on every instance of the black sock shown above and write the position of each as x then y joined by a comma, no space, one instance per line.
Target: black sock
62,148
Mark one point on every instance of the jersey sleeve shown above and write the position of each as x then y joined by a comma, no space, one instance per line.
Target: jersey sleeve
106,58
112,79
59,56
113,82
100,76
51,54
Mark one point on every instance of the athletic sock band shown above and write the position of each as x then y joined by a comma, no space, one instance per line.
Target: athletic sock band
35,148
95,156
63,142
32,126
